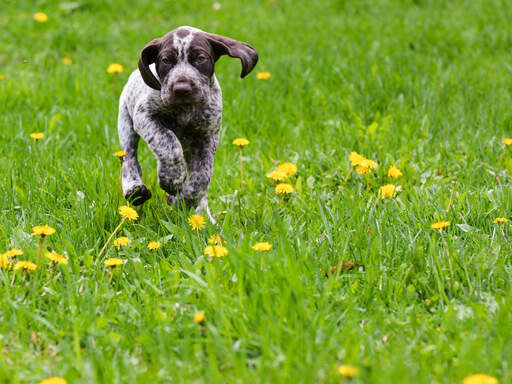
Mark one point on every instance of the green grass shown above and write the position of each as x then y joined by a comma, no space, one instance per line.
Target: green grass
422,308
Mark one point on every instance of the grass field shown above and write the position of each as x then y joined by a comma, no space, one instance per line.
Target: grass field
422,85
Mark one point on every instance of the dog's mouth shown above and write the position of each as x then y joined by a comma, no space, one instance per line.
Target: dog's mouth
172,99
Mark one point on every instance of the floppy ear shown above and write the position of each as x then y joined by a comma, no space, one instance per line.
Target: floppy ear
148,56
225,46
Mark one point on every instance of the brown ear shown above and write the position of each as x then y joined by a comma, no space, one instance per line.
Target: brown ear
148,56
233,48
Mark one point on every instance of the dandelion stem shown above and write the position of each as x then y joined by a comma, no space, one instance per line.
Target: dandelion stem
451,195
110,238
348,175
41,241
367,182
13,277
241,171
120,185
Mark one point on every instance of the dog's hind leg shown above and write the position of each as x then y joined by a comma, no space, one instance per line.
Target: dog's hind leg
134,189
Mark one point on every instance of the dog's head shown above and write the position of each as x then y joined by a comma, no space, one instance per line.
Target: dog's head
185,61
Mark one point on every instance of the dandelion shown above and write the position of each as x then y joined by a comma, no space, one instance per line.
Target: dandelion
115,68
127,213
37,136
66,61
277,175
480,378
284,189
25,265
263,75
216,251
215,239
121,242
394,172
364,169
348,371
56,258
241,143
13,252
500,220
199,317
355,161
440,225
53,380
288,168
196,222
2,77
41,17
262,246
387,191
4,261
120,154
42,231
507,141
154,245
113,262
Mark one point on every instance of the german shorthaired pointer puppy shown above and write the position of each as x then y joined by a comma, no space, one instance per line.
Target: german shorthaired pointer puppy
174,102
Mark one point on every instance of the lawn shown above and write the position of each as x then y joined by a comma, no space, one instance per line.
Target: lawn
421,85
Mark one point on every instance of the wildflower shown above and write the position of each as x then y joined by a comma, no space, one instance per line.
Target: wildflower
394,172
4,261
262,246
199,317
27,265
216,251
215,239
348,371
480,378
241,142
115,68
288,168
55,257
263,75
500,220
37,135
42,230
41,17
355,159
507,141
121,242
440,225
128,212
113,262
13,252
53,380
387,191
120,154
154,245
66,61
277,175
2,77
196,222
283,189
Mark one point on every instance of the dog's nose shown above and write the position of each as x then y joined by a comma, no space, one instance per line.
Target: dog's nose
182,89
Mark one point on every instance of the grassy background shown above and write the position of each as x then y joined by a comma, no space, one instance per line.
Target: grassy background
423,308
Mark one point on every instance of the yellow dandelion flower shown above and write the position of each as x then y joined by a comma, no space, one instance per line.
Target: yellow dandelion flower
394,172
4,261
55,257
154,245
355,159
196,222
113,262
387,191
128,212
369,164
507,141
66,61
120,154
362,170
27,265
241,142
13,252
115,68
199,317
37,135
2,77
283,189
289,168
53,380
277,175
440,225
216,251
41,17
121,242
500,220
348,371
215,239
42,230
480,378
262,246
263,75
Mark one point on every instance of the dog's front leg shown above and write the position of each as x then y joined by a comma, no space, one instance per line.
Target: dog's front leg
167,149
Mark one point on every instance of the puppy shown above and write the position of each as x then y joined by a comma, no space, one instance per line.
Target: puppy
174,102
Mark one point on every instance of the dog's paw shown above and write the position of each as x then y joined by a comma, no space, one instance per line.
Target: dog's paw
138,195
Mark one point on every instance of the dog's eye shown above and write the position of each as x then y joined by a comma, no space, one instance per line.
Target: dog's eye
166,60
200,59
